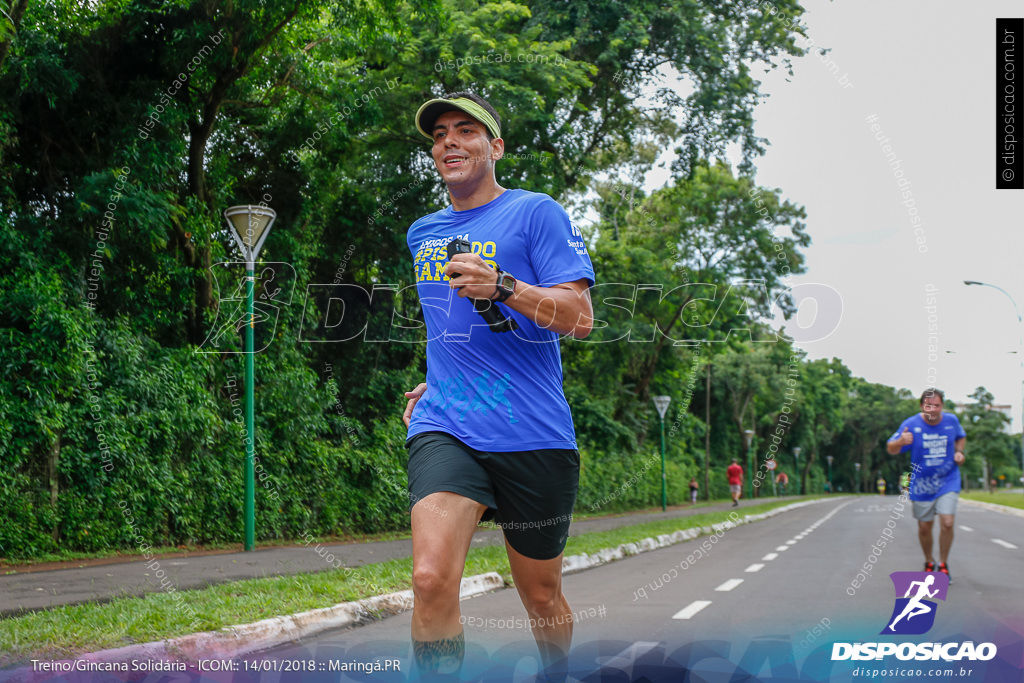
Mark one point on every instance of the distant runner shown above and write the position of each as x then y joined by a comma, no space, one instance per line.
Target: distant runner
735,475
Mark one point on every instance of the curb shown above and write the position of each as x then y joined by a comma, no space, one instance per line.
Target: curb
235,641
1005,509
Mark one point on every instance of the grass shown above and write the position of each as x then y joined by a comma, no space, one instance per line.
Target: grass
66,631
1013,500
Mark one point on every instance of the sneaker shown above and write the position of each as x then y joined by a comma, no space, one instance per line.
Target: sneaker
944,568
930,567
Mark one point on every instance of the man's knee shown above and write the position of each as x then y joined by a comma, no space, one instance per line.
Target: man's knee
432,580
925,527
946,522
541,596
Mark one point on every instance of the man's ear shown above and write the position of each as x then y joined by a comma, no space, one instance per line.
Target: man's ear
497,149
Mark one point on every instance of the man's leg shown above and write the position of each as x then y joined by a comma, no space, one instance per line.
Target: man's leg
945,536
442,530
924,535
539,583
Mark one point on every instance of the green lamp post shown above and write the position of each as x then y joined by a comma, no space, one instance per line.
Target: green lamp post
661,403
250,226
749,434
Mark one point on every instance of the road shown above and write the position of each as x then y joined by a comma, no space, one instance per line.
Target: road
767,599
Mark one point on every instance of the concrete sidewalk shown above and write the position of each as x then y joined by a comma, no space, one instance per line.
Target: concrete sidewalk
26,591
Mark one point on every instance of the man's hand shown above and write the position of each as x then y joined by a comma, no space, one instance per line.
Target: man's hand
906,438
471,276
413,397
958,457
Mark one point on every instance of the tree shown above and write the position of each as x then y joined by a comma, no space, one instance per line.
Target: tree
874,412
746,375
991,447
127,128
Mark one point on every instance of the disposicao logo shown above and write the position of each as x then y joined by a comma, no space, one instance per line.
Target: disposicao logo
914,613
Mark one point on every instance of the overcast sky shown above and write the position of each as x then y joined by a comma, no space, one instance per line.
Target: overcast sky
928,76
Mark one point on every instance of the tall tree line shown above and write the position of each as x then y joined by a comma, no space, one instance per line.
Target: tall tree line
127,127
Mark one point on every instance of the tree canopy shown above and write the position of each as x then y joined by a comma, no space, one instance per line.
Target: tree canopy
126,129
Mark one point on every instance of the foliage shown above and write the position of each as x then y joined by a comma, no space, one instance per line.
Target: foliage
994,454
127,128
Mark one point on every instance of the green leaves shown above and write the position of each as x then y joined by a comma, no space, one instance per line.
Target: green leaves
308,108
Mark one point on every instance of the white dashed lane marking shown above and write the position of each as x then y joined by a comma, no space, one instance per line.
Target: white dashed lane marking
690,610
729,585
1005,544
966,528
697,606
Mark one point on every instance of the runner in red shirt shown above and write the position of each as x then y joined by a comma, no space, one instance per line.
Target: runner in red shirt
735,475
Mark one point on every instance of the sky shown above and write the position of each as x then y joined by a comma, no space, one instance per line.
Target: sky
927,77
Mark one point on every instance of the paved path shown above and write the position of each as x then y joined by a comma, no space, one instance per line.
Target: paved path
34,590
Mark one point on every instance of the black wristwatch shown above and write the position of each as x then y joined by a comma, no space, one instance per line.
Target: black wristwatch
506,286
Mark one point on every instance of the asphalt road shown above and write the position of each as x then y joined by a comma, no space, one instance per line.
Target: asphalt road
766,599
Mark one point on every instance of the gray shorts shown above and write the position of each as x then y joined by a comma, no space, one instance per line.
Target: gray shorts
735,488
925,510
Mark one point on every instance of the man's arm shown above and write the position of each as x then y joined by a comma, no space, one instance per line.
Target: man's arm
958,450
896,445
564,308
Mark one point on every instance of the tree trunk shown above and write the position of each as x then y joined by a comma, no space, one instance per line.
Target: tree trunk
51,469
811,457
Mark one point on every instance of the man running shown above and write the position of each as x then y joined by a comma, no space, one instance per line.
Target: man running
734,473
936,442
490,432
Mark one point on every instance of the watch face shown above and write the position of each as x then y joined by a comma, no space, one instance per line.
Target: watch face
507,283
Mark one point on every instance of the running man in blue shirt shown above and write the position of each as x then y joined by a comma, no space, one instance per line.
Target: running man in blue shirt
490,432
936,442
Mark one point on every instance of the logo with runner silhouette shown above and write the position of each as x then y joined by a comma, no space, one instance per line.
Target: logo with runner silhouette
914,612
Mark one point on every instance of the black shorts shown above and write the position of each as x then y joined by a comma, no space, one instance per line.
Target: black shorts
529,494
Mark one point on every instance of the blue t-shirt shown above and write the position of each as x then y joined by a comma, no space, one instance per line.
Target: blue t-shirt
934,471
496,391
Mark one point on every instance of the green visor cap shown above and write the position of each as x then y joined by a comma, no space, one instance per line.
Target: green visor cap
429,112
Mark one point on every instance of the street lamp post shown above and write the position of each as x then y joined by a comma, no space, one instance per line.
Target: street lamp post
661,403
1020,357
250,226
796,454
856,466
829,459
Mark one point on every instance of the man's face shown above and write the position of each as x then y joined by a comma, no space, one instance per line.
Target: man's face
462,153
931,409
